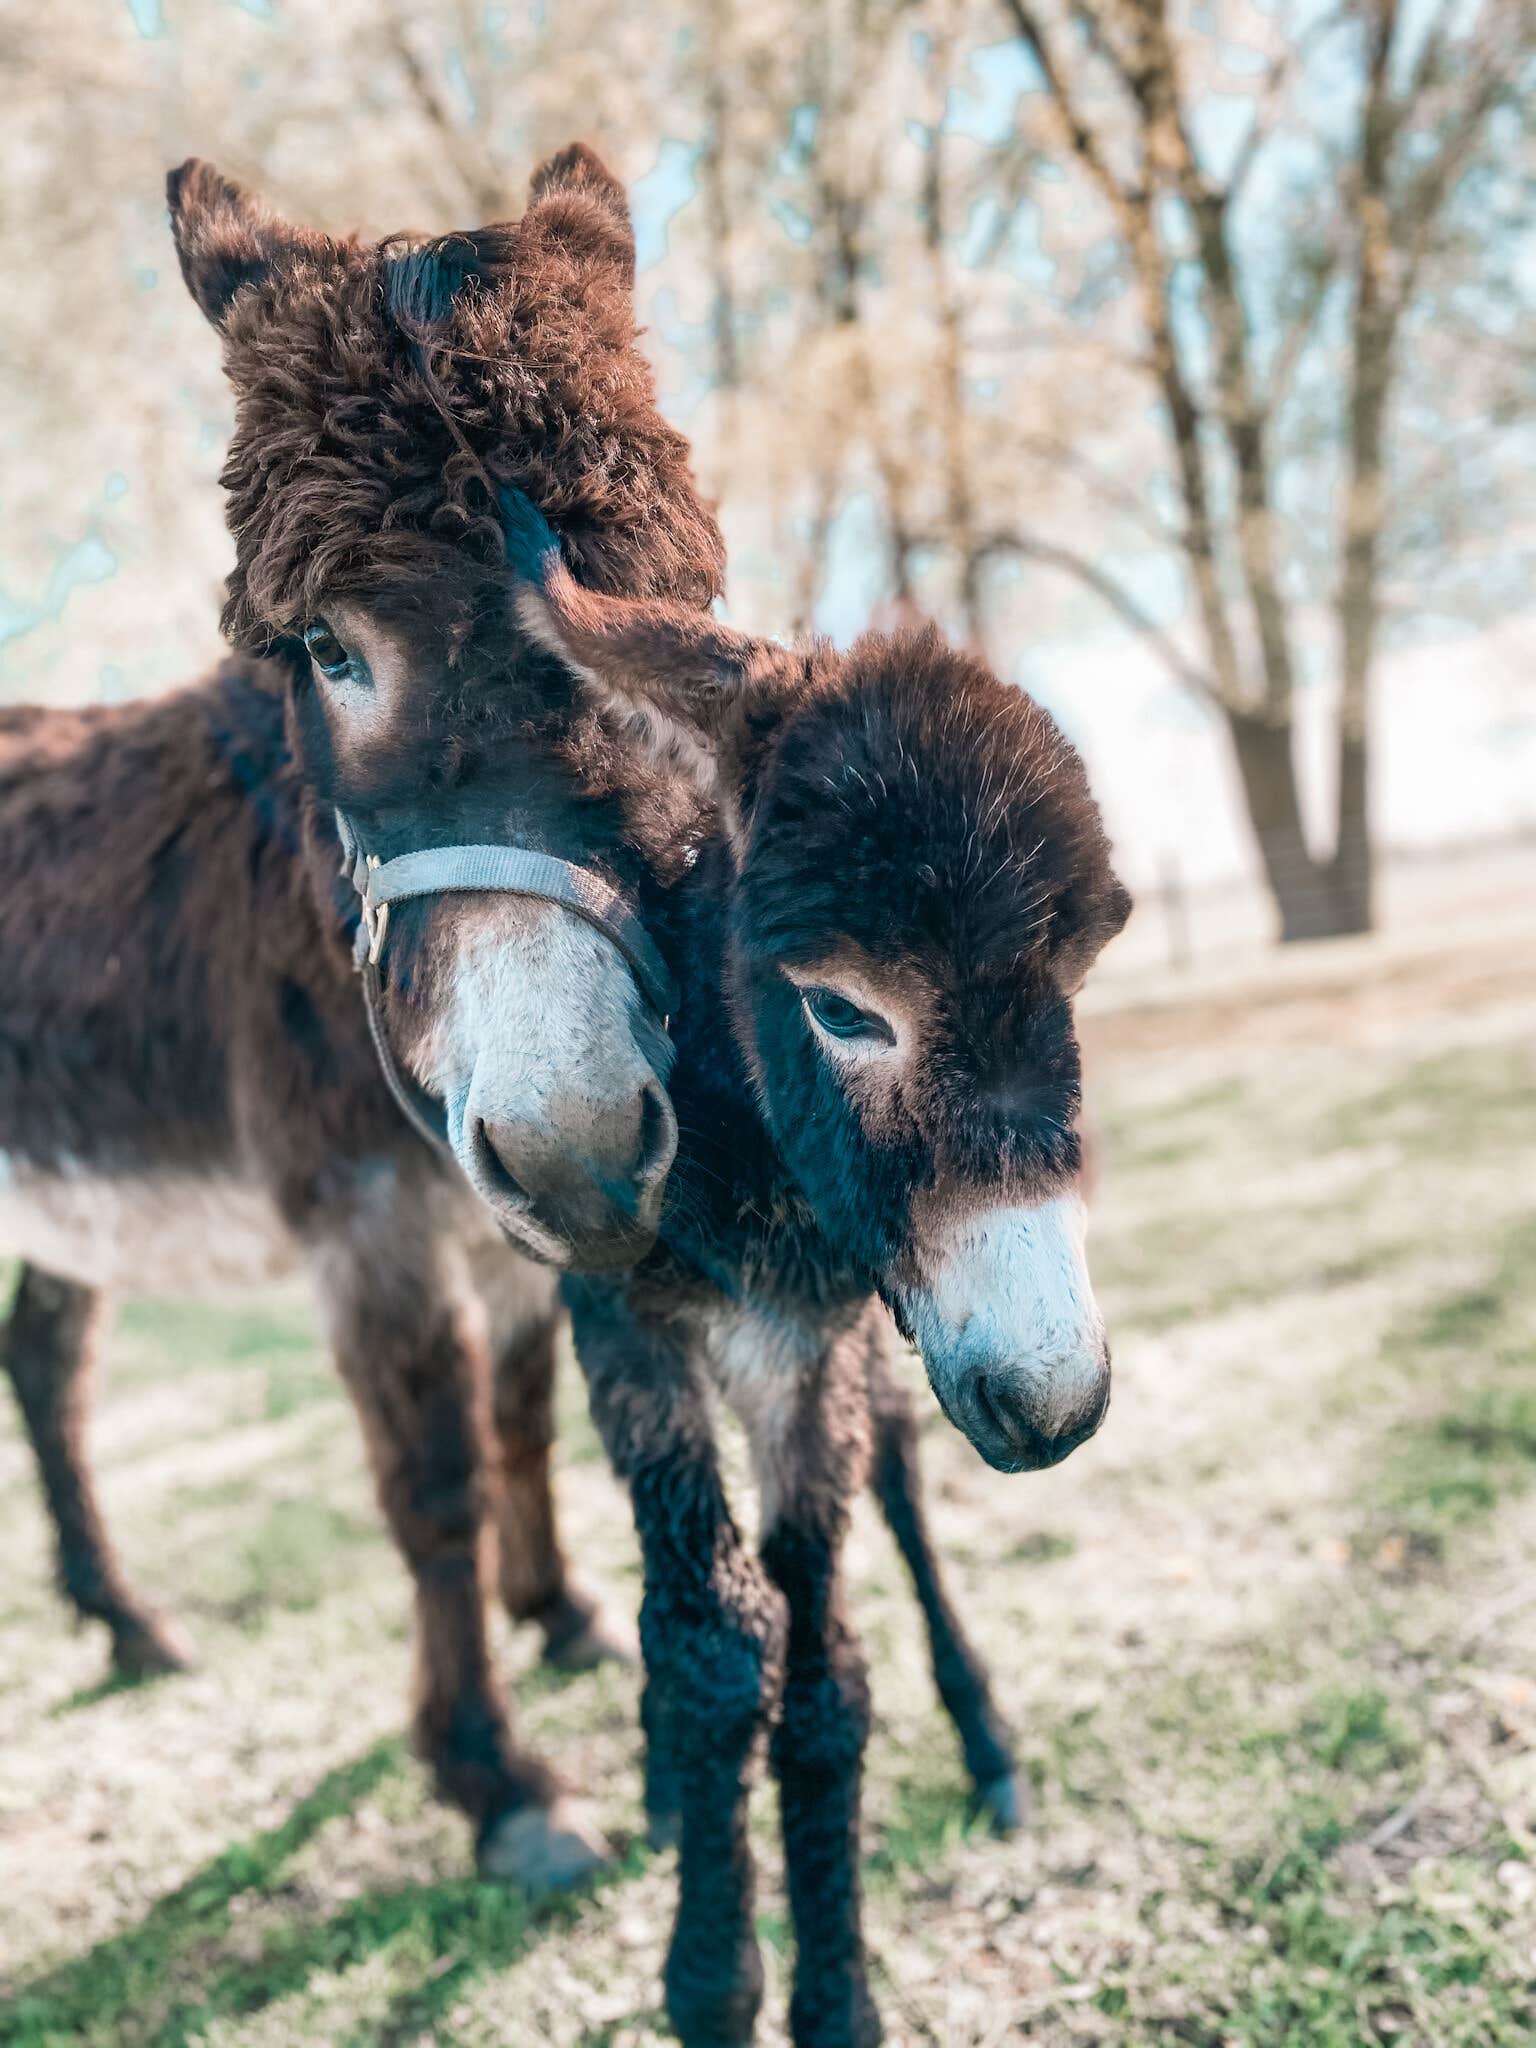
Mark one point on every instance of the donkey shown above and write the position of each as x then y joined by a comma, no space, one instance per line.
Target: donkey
197,1089
195,1085
879,937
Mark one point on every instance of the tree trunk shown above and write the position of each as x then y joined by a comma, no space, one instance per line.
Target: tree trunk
1352,868
1316,899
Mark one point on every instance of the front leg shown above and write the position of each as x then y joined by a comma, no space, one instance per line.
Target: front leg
410,1345
811,1452
1000,1794
525,1318
711,1633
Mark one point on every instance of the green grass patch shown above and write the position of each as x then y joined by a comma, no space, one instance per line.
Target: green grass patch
292,1555
1454,1465
926,1827
149,1984
1450,1106
1338,1972
1040,1546
1317,1951
239,1936
156,1339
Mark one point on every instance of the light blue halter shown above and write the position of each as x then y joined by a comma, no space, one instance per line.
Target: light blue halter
501,870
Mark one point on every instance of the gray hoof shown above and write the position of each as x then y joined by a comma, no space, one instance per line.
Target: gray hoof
663,1830
544,1849
599,1642
1003,1803
150,1648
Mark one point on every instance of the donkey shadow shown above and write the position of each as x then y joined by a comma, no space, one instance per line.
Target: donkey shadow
177,1970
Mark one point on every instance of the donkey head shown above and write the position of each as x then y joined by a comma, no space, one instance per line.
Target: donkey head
384,395
919,881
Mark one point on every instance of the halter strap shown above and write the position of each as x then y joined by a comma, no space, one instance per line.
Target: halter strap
519,871
505,870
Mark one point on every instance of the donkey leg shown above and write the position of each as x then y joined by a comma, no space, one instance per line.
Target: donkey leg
663,1784
711,1632
809,1473
1000,1794
414,1361
535,1580
49,1350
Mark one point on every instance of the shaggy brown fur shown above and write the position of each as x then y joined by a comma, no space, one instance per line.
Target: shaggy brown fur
510,357
178,1015
180,1028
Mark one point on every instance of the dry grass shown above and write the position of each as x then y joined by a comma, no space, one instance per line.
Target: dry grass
1270,1641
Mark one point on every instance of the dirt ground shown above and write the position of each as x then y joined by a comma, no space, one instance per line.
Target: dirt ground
1269,1642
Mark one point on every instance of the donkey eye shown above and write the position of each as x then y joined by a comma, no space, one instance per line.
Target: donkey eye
839,1018
325,650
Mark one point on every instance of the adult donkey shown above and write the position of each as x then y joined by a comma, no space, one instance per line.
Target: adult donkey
194,1084
190,1088
903,883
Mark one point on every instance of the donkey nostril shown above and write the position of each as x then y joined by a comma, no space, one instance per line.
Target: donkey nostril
987,1402
496,1177
658,1138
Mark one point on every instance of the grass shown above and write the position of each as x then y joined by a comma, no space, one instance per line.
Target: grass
1269,1643
1475,1347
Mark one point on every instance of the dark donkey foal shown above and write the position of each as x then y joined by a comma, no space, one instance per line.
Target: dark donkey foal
877,1088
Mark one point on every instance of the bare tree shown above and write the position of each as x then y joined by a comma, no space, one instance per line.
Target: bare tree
1042,350
1221,349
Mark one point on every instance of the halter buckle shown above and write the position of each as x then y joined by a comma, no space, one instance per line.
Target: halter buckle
375,920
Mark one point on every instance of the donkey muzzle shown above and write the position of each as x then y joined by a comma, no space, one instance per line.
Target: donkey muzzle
587,1207
1026,1418
1003,1313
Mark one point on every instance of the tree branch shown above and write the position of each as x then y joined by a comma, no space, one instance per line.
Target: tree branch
1283,68
1063,455
1133,210
1085,144
1031,547
1156,87
471,163
1413,216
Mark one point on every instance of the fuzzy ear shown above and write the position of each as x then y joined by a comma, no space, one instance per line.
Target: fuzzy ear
576,201
686,684
1085,924
224,238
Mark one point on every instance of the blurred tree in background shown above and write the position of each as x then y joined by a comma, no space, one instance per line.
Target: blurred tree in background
1216,320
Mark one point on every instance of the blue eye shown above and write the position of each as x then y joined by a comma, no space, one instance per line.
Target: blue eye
842,1019
325,650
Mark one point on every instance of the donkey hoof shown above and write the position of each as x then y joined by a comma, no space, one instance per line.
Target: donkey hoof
709,2010
590,1642
1003,1803
663,1828
544,1849
149,1648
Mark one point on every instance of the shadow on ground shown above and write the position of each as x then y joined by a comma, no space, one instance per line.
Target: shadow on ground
160,1983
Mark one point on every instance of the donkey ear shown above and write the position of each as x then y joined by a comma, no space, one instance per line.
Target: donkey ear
224,238
576,201
687,686
1085,922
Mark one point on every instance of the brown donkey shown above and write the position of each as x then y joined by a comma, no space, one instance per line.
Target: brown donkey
899,885
192,1086
190,1089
